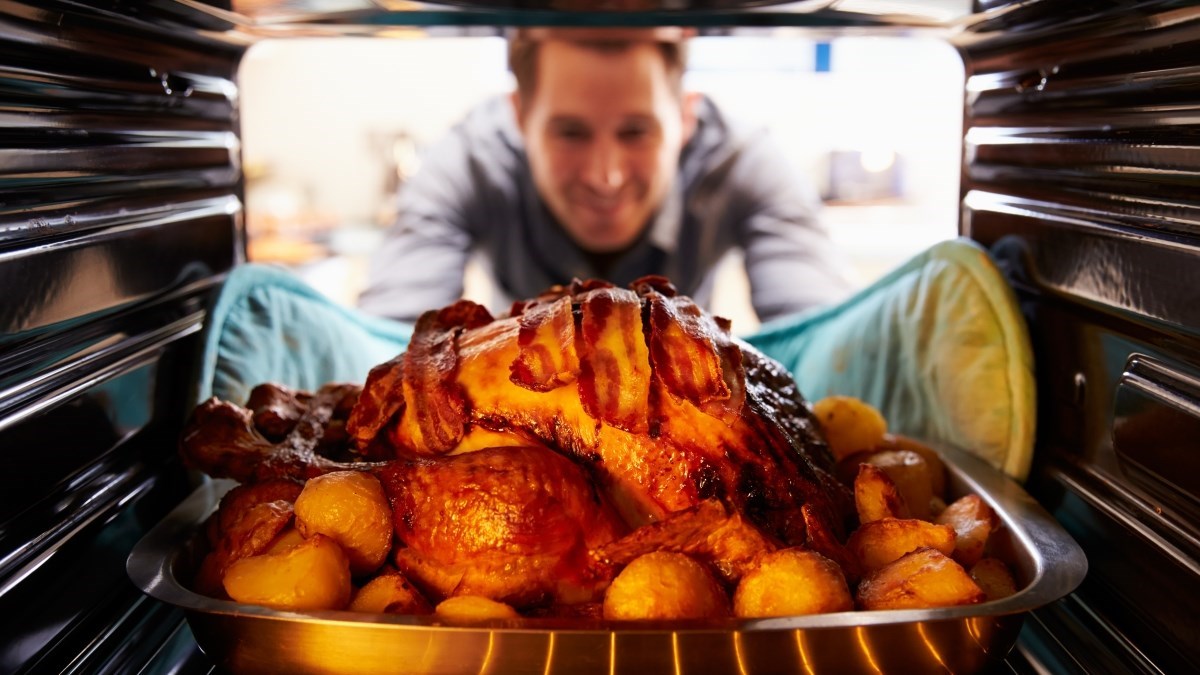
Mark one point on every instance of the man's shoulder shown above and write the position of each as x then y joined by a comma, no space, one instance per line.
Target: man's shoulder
491,125
484,146
721,140
717,127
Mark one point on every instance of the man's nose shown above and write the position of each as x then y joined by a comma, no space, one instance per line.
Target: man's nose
605,171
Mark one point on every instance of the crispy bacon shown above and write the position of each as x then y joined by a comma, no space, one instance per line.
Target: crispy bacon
614,372
380,404
547,358
694,356
437,405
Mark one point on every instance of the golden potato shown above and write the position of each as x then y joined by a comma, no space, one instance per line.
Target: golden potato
937,468
285,541
994,577
850,425
389,593
880,542
246,531
876,496
471,608
665,585
910,474
919,579
314,574
790,582
350,508
973,521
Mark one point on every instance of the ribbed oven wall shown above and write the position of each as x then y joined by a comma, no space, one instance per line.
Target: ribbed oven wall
1082,173
120,207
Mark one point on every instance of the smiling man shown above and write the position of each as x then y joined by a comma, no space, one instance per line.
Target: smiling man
600,165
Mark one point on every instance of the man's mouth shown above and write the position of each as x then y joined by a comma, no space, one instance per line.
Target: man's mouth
603,207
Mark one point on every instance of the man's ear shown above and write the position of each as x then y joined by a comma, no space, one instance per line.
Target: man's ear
690,102
514,98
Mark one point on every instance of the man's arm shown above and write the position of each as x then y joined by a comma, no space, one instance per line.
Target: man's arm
790,259
420,263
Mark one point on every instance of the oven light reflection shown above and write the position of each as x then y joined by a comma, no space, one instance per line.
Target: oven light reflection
675,653
861,634
929,644
974,630
737,653
612,654
803,649
487,656
549,655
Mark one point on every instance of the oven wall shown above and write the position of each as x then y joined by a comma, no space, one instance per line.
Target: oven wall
1082,173
120,206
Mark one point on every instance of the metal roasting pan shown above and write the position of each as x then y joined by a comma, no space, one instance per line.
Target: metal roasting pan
1046,562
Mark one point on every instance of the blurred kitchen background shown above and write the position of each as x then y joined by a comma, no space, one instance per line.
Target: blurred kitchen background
331,127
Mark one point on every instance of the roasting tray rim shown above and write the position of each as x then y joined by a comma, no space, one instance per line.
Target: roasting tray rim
1051,564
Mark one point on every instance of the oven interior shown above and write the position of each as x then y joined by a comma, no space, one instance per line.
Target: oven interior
121,209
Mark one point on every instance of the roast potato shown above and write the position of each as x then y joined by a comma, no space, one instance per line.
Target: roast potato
239,529
665,585
973,521
350,508
472,608
285,541
880,542
850,425
314,574
792,581
389,593
876,496
910,473
994,577
919,579
937,468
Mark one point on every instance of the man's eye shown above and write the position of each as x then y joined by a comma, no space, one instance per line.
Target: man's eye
633,134
572,134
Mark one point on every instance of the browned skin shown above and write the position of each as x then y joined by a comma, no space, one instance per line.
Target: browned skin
628,401
514,524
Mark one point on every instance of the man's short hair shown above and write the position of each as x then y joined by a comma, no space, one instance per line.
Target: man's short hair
523,46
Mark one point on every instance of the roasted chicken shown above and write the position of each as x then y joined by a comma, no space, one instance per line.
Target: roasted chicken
522,453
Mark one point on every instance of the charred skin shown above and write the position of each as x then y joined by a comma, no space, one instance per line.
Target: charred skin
514,450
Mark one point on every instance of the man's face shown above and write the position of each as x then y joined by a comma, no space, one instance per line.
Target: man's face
603,131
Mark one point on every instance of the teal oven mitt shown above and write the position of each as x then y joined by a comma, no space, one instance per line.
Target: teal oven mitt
266,325
938,345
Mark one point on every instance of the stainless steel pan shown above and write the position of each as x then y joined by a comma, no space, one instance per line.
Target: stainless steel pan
1046,562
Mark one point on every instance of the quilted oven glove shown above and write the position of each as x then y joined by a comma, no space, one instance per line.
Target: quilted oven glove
266,325
938,345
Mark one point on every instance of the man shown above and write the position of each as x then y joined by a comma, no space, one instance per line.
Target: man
600,165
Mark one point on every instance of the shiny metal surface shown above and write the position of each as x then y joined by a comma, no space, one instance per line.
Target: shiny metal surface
309,18
1082,166
1046,561
120,210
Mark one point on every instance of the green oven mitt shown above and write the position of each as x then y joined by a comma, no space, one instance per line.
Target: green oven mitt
266,325
938,345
